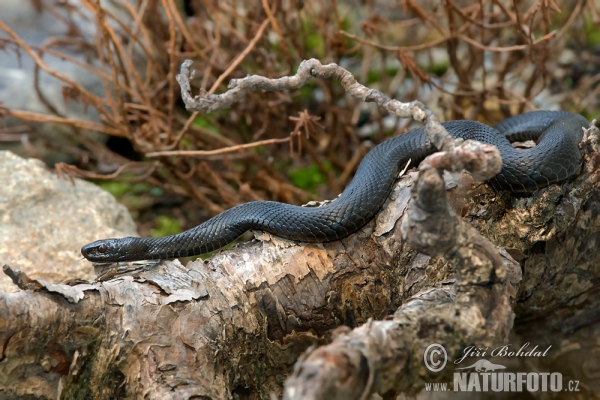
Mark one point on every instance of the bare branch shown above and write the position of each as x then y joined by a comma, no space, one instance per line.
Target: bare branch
313,68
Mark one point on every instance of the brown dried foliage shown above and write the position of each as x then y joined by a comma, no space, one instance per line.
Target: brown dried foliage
484,60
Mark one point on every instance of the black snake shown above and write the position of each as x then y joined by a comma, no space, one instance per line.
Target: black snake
555,158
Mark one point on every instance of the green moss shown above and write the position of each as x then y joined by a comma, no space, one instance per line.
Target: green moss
374,75
594,37
156,191
568,81
123,189
117,189
309,178
185,143
346,24
307,92
315,44
166,226
592,31
438,69
204,123
586,114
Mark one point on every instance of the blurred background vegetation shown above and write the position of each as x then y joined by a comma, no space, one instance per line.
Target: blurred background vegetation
483,60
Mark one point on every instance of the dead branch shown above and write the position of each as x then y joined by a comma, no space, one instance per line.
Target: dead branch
384,356
257,306
313,68
243,323
433,46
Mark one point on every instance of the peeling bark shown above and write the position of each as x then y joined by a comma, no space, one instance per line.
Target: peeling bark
490,269
233,324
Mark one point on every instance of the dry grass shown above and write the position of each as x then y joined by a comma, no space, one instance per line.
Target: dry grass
484,60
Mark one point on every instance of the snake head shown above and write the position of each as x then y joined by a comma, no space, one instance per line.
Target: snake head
107,250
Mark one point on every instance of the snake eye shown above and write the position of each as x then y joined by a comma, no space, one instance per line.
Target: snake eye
103,248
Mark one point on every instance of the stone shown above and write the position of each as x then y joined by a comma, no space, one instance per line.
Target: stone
45,219
48,27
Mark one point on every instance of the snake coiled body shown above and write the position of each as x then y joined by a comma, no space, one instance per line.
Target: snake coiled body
555,158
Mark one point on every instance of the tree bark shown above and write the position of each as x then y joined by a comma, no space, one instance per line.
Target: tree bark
491,269
234,324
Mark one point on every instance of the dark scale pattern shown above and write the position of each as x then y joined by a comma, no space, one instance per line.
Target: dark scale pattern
555,158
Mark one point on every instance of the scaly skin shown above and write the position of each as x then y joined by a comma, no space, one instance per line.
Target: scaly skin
554,159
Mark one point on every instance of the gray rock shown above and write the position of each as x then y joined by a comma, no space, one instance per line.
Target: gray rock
38,28
44,221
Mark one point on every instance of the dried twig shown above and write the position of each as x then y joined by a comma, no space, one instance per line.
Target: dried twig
220,151
72,171
241,57
436,133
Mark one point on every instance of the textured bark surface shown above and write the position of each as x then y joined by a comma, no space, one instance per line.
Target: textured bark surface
490,269
237,323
